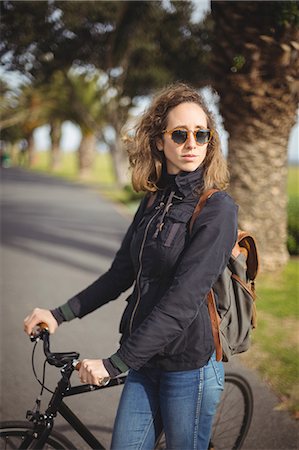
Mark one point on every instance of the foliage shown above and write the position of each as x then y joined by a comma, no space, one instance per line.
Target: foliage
28,41
131,42
286,13
118,37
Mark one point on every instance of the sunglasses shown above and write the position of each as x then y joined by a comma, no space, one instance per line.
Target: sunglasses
179,136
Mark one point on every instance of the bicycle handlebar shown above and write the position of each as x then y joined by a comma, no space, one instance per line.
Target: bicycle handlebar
57,359
54,359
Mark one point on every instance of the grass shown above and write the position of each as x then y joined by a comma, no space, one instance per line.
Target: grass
274,352
102,172
101,177
279,294
293,181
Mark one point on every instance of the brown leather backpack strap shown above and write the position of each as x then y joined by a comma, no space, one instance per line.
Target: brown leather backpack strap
214,316
201,203
247,241
215,321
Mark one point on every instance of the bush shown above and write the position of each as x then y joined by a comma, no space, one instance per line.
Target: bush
293,226
131,195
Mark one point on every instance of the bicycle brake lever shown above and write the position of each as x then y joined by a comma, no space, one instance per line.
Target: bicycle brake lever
37,333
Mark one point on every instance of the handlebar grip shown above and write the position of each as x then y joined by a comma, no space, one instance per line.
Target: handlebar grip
39,331
77,364
43,326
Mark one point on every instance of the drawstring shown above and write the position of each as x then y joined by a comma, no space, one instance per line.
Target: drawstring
166,209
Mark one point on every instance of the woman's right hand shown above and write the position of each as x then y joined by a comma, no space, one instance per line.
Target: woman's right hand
37,316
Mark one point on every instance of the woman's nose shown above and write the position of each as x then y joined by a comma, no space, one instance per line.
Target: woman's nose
190,142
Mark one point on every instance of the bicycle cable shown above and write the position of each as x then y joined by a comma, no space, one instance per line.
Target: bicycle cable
42,383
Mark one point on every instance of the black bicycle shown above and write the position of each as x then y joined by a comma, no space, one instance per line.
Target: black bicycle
230,428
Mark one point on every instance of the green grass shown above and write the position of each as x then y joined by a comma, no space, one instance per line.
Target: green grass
278,294
101,176
274,352
293,181
102,172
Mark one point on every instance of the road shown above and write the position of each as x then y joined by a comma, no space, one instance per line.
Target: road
57,237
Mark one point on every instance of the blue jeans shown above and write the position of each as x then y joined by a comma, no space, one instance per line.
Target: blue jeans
183,404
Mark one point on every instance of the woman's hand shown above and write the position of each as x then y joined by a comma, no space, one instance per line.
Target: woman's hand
92,371
37,316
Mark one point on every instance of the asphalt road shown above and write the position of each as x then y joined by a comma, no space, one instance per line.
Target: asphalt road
57,237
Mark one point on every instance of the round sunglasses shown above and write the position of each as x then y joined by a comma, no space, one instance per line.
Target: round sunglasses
180,135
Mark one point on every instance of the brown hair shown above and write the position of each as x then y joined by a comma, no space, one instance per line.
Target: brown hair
147,161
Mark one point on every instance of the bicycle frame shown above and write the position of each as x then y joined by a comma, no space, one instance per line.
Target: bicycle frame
43,423
74,421
37,436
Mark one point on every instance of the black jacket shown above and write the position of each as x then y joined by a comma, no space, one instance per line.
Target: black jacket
166,323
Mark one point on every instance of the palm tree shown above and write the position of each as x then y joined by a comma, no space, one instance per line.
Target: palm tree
86,110
56,94
256,72
25,111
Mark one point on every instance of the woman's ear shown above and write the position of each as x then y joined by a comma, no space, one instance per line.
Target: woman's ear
160,144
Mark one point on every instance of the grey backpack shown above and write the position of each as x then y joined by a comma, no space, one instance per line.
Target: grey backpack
231,301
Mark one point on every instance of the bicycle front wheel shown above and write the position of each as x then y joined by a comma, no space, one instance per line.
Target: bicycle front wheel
234,414
13,435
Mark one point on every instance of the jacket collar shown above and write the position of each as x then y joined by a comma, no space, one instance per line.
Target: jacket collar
184,183
188,182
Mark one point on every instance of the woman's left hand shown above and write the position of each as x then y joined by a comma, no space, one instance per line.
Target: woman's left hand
92,371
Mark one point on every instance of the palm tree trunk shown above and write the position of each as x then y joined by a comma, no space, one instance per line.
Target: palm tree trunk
31,150
55,135
117,118
86,154
255,67
120,163
258,169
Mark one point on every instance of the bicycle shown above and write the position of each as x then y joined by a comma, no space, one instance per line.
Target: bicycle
230,428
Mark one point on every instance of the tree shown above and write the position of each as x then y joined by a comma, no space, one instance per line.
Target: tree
33,105
23,112
133,42
55,110
86,109
256,71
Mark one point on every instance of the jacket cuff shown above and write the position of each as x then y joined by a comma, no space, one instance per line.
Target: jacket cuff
57,314
63,313
67,312
113,371
118,363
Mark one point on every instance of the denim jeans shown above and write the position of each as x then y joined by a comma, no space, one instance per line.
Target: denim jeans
182,403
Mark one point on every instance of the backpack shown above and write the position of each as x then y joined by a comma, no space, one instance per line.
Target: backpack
231,301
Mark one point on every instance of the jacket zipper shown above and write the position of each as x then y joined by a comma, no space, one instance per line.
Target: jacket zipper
140,266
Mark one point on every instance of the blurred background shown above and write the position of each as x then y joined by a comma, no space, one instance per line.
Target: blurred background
75,73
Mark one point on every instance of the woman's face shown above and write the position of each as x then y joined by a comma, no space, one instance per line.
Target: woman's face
189,155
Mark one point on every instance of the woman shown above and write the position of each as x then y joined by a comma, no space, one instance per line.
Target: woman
174,381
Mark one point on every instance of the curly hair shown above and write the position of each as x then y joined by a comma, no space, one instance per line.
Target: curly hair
147,161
